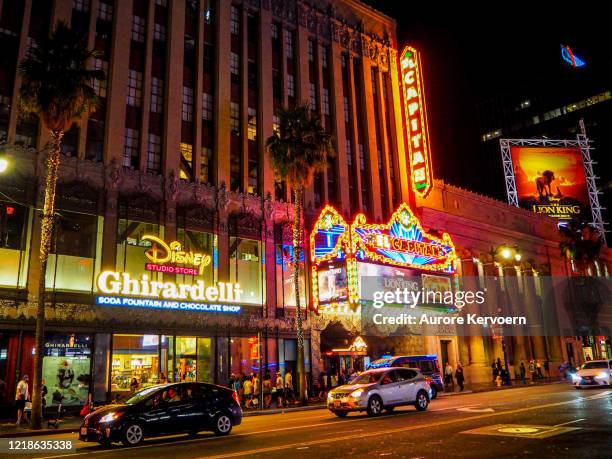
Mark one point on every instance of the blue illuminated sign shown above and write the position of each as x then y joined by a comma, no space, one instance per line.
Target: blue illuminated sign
569,57
167,304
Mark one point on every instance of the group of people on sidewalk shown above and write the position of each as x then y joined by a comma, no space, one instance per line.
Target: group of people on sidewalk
250,390
451,375
23,399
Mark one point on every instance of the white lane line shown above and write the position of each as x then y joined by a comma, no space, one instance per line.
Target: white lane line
569,422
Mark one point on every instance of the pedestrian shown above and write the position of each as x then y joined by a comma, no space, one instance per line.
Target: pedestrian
494,371
133,385
22,395
280,388
532,370
334,379
539,369
322,385
522,372
267,390
248,392
459,376
448,376
256,390
162,378
289,387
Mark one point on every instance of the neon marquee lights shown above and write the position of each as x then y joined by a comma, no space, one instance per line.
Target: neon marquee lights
401,242
416,122
161,253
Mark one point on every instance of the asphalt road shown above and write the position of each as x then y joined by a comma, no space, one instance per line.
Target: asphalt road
545,421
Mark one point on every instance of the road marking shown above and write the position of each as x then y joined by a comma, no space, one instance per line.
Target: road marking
521,431
476,410
388,431
569,422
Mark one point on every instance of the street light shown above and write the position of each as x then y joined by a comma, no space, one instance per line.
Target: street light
3,165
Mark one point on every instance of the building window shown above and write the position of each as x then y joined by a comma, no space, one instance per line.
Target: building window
252,128
235,64
235,20
246,268
134,89
138,29
154,149
130,149
274,31
72,264
326,110
349,153
131,247
313,97
288,44
285,287
311,53
323,56
99,86
14,228
159,32
157,95
235,118
105,11
347,114
275,123
290,85
205,163
80,5
361,158
186,160
187,108
207,107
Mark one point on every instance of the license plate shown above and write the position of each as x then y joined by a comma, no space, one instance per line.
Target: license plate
337,403
84,431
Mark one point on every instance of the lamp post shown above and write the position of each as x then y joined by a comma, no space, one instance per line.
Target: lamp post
506,255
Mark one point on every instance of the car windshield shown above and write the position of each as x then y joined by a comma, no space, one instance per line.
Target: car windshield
140,395
367,378
593,365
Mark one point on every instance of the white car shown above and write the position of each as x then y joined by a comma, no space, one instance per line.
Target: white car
593,373
381,389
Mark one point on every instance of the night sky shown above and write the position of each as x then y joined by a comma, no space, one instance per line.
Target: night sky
472,52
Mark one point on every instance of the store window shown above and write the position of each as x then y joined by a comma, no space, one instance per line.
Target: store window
135,363
198,242
15,222
244,356
246,268
285,289
131,247
75,252
67,368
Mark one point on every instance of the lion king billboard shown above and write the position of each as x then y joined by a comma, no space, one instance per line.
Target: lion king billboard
551,180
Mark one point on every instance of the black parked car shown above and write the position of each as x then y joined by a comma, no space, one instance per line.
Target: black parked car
162,410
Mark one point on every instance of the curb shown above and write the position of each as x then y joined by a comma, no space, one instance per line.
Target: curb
38,433
283,410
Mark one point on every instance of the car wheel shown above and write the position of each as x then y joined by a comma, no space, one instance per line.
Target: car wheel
223,424
434,392
132,434
374,406
340,414
421,401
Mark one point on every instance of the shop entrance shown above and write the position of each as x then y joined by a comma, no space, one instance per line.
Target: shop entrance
445,348
343,353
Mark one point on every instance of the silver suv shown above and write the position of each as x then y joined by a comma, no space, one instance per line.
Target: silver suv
383,388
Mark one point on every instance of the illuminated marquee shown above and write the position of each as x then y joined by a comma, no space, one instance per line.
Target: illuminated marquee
401,242
161,253
417,134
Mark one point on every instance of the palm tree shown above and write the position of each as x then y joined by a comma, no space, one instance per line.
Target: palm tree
581,242
57,87
298,149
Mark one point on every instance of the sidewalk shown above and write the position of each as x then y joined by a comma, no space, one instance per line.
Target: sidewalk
72,424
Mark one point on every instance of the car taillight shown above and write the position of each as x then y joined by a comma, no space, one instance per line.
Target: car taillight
427,379
235,397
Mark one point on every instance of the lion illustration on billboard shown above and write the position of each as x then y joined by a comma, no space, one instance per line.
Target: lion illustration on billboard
543,183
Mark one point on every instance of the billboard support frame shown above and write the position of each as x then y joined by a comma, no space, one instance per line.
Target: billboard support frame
581,142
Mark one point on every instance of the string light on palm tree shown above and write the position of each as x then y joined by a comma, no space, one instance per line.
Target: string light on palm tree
298,149
57,86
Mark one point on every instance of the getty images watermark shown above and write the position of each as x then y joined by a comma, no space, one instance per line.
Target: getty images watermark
431,305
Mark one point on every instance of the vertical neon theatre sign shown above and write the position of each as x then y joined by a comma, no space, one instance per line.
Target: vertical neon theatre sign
416,122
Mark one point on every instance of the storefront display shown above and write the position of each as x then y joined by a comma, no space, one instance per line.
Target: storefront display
135,363
67,368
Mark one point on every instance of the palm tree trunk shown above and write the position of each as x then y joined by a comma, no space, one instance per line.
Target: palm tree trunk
297,250
53,161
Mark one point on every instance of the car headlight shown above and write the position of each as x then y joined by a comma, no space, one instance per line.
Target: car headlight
330,396
110,417
602,375
575,377
357,393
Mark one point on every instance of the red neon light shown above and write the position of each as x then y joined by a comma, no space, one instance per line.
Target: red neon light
10,210
417,134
